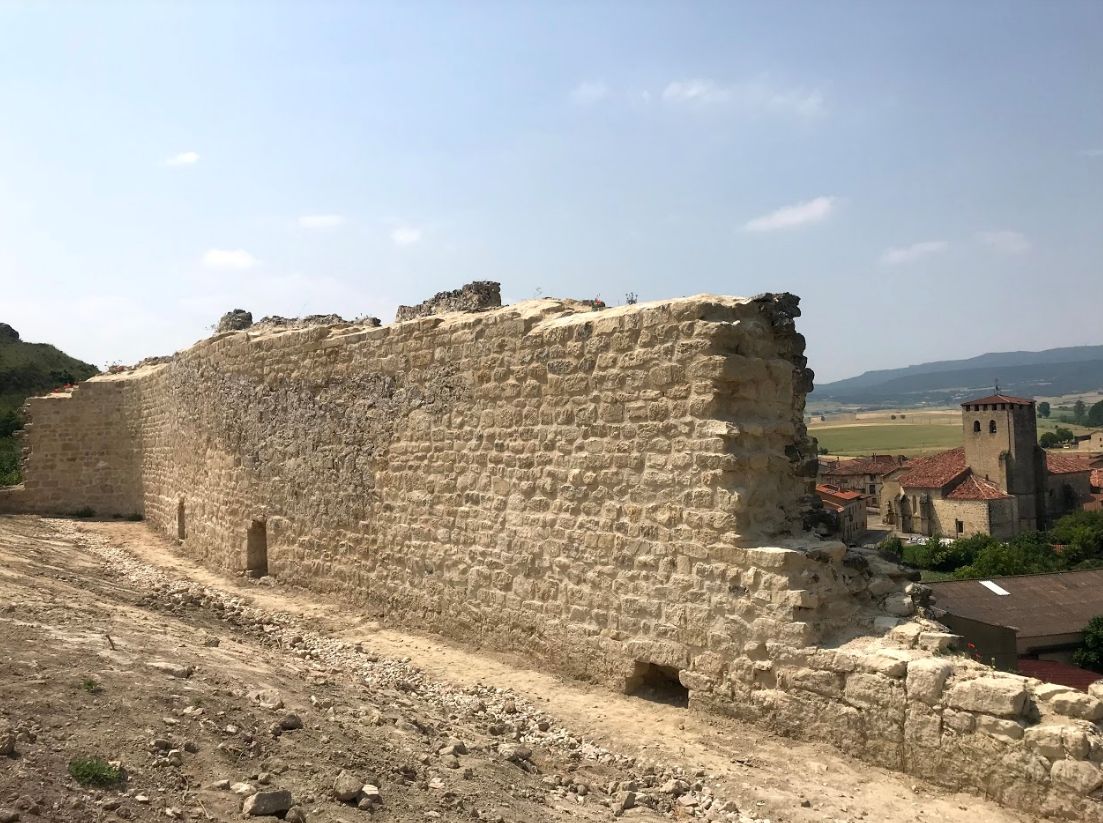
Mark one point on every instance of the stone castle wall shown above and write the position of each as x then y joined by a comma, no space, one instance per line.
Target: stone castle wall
605,491
86,453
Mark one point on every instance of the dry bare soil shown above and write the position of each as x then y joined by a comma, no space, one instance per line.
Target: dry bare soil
113,645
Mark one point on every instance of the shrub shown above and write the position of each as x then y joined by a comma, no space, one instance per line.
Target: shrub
1090,654
1024,554
91,686
93,771
891,548
917,555
10,470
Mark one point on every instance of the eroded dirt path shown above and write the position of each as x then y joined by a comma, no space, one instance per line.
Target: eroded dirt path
72,585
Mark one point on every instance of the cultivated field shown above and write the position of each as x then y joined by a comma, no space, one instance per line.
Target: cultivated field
908,439
910,432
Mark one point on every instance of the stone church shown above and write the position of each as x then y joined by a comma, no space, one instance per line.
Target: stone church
999,482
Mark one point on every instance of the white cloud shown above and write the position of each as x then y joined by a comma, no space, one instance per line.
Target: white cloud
788,217
1005,242
698,90
405,235
321,221
909,254
589,92
236,259
184,158
754,97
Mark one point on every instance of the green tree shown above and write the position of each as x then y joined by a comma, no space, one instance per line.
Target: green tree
1095,414
1043,409
1090,654
1024,554
962,552
1064,435
1079,411
10,422
1049,440
1081,535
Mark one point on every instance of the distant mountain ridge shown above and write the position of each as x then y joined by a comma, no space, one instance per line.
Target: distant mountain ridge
1051,372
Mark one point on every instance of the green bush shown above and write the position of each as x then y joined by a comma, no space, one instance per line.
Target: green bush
1024,554
1090,654
93,771
10,470
917,555
891,548
1081,535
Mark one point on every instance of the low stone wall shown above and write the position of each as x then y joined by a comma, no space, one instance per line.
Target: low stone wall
612,492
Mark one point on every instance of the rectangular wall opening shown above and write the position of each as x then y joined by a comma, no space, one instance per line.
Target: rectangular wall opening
181,523
256,549
659,684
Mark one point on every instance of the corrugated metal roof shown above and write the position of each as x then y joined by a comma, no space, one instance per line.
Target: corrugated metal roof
1036,604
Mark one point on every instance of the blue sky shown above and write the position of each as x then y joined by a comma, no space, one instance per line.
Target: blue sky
928,177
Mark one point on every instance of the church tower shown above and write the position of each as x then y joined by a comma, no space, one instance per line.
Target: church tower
1000,433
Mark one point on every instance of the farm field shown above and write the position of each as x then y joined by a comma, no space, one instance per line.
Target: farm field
908,439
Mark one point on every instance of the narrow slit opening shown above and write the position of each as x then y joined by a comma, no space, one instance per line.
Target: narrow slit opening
181,521
256,553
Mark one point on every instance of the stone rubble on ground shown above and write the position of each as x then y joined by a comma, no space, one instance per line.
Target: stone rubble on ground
502,713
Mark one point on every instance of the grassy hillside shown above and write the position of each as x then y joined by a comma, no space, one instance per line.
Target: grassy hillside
27,369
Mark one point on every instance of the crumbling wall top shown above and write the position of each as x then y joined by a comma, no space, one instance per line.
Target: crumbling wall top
479,295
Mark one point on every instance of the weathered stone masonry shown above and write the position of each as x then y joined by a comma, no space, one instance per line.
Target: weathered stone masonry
601,490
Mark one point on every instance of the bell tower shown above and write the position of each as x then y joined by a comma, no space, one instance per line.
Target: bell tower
1000,434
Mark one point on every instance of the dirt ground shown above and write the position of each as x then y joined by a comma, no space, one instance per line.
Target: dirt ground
113,645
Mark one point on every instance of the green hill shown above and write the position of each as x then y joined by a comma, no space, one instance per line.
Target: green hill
27,369
1049,373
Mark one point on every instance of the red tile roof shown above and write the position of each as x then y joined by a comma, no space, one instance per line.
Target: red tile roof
835,491
999,398
976,488
1060,673
835,498
875,464
935,471
1061,464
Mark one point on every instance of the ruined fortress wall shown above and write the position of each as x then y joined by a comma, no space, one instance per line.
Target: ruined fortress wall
598,490
587,487
82,452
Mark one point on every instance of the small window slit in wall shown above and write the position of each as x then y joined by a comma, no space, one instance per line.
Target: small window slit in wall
181,520
256,549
